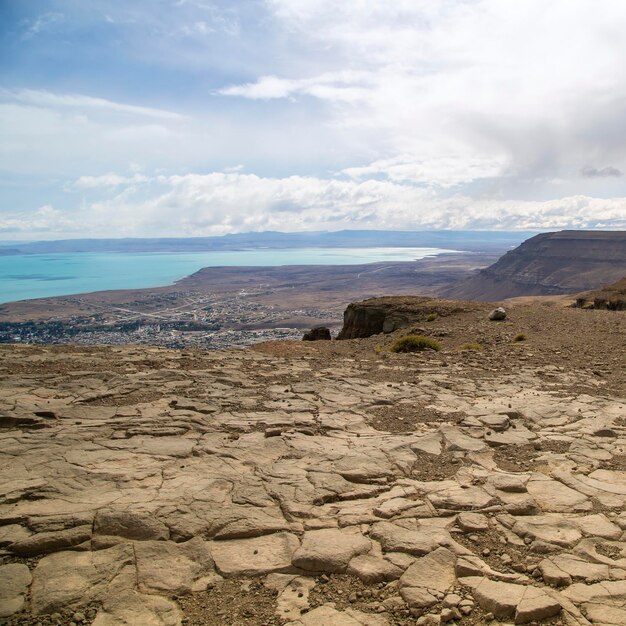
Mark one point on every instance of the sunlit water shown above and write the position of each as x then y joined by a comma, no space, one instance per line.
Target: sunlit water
23,277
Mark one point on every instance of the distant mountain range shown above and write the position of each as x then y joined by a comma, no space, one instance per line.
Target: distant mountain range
565,262
477,241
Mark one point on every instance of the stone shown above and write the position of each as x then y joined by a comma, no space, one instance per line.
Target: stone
505,600
293,599
129,524
455,497
499,598
499,423
330,550
129,607
554,530
429,575
420,541
372,569
608,615
433,571
451,600
174,568
76,579
15,578
551,495
330,616
44,543
536,605
553,575
497,314
11,533
317,333
255,556
507,482
472,522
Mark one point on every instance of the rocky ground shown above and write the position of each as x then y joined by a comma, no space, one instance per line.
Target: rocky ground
325,483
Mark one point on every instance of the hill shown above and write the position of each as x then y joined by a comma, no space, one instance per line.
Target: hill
549,264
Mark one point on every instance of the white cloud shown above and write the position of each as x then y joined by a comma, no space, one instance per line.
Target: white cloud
346,86
47,99
108,180
46,220
41,23
443,171
219,203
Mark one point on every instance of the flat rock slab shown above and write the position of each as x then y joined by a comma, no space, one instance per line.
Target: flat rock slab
15,578
174,568
329,616
373,569
428,576
75,579
505,600
330,549
129,607
418,541
255,556
130,524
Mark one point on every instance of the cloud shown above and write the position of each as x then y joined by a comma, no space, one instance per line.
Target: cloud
346,86
444,170
48,99
605,172
41,23
220,203
108,180
46,220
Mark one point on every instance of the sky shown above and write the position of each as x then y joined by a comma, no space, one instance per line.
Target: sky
205,117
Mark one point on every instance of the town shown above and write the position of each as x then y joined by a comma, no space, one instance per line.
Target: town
174,320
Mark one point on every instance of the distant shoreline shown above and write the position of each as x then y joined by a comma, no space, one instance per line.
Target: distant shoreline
56,274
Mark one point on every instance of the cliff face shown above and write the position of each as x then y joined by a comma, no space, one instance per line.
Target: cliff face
549,264
384,315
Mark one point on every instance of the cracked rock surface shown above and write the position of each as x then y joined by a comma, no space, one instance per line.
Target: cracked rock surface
321,484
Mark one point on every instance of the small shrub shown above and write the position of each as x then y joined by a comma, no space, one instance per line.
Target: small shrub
415,343
432,317
520,337
472,346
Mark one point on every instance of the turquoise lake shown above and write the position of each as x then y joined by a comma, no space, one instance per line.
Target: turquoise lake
23,277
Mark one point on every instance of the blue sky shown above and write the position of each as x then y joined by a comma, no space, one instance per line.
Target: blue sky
197,117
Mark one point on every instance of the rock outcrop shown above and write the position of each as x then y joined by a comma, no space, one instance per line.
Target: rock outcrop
565,262
384,315
611,297
317,333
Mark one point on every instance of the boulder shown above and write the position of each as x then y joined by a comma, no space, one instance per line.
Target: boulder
497,314
317,333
